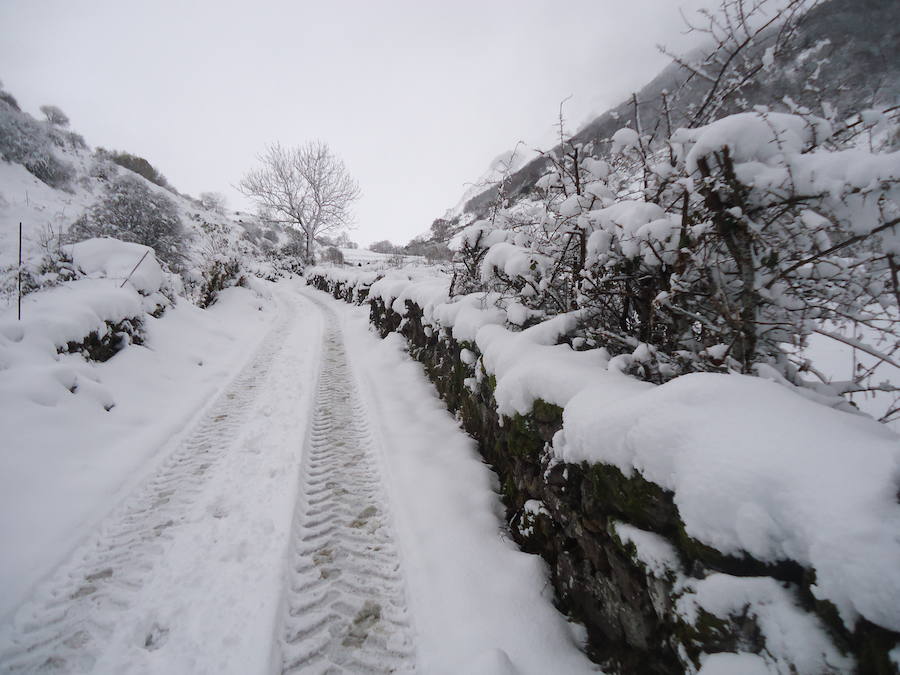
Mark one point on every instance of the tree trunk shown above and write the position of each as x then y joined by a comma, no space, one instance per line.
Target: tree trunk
738,241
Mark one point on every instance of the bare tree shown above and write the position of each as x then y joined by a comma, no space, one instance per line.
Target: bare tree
307,187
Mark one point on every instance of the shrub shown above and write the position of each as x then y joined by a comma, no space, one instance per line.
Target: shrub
55,116
218,275
131,211
137,164
52,268
25,141
10,100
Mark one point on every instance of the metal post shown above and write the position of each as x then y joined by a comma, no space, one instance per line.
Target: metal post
19,279
146,253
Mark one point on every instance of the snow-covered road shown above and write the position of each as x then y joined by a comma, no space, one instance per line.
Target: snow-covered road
324,514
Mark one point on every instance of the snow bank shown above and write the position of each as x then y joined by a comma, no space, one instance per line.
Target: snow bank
528,367
753,137
69,312
425,287
73,429
114,259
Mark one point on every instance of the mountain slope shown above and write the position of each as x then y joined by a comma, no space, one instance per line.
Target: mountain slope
846,51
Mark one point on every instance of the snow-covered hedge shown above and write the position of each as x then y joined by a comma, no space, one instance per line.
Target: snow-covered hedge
726,246
781,509
95,314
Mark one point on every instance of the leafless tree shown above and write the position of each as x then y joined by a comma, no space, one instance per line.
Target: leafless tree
307,187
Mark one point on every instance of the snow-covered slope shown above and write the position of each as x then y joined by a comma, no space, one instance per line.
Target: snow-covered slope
111,354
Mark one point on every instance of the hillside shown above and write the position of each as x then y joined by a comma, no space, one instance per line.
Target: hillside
51,180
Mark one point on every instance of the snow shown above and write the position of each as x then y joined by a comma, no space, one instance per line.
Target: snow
528,369
846,180
114,259
796,640
210,599
740,663
514,261
516,313
637,226
69,313
624,140
465,317
597,168
753,137
375,260
358,278
756,468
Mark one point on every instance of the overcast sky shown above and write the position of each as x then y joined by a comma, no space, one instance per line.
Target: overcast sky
416,96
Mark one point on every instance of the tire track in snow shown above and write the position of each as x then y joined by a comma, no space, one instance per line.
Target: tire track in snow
346,606
62,628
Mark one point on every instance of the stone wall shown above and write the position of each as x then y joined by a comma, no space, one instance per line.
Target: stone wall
571,515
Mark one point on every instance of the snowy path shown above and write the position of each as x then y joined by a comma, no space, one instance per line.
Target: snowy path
324,514
347,605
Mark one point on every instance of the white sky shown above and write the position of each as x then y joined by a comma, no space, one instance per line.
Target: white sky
417,97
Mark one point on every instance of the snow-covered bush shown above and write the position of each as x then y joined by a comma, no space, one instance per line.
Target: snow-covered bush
213,201
722,245
55,115
131,211
53,267
221,264
290,257
26,141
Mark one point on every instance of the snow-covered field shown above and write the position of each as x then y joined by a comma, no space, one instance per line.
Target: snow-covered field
67,458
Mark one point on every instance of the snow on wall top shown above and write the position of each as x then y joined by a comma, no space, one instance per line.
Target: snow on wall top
757,468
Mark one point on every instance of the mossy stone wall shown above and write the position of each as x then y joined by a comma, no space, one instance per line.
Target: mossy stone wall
628,610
